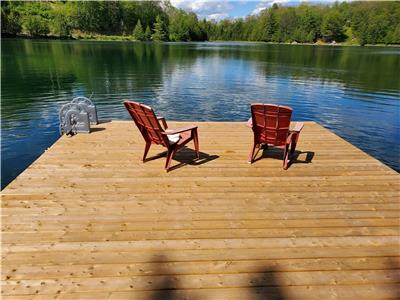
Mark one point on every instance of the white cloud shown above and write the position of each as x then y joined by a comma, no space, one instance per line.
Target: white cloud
217,17
266,4
263,4
257,10
222,9
208,9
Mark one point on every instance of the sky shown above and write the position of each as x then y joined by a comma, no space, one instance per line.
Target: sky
223,9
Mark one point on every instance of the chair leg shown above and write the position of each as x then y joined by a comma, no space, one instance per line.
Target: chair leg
286,157
196,143
293,145
251,156
170,155
146,150
292,148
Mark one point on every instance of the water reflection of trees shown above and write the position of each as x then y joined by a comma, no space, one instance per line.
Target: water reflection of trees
368,67
32,69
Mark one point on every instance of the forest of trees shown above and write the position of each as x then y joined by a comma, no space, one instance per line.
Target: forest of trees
350,22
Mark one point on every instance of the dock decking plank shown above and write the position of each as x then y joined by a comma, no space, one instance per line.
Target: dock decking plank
89,220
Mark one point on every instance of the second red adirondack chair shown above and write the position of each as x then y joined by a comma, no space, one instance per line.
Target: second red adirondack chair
271,126
153,133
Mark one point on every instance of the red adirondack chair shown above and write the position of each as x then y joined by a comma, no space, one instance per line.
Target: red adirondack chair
153,133
271,126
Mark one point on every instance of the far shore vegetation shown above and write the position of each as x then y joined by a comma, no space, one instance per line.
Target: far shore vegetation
346,23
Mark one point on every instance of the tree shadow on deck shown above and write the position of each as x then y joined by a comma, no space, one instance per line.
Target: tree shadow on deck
266,286
262,285
164,288
393,267
185,156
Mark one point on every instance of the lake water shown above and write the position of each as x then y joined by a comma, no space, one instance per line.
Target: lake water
354,91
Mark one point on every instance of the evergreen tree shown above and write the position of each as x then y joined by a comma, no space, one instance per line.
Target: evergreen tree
309,23
159,32
185,26
287,23
332,27
147,33
179,29
270,25
358,21
138,33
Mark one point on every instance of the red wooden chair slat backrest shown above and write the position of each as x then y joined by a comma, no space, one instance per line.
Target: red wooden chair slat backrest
153,133
271,123
147,122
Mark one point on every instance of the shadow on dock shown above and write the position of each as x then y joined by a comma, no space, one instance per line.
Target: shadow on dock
166,287
393,267
277,153
185,156
96,129
264,285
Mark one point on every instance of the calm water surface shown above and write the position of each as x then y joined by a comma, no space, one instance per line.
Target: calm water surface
354,91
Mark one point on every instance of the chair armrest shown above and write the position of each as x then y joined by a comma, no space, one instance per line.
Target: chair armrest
175,131
163,122
297,127
249,123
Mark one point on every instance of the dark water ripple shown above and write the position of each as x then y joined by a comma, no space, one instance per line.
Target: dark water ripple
353,91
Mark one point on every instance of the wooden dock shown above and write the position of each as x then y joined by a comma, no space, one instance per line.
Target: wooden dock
89,220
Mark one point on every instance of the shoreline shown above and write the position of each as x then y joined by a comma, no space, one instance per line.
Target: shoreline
122,38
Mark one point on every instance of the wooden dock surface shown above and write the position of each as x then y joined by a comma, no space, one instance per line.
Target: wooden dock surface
89,220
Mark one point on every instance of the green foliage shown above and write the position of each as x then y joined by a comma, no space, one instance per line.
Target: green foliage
159,31
287,24
184,26
370,23
62,23
179,29
130,16
116,17
309,21
147,33
138,33
332,27
10,23
99,16
36,26
354,22
393,36
373,23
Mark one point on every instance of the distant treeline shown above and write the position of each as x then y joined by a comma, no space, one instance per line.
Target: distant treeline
354,23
